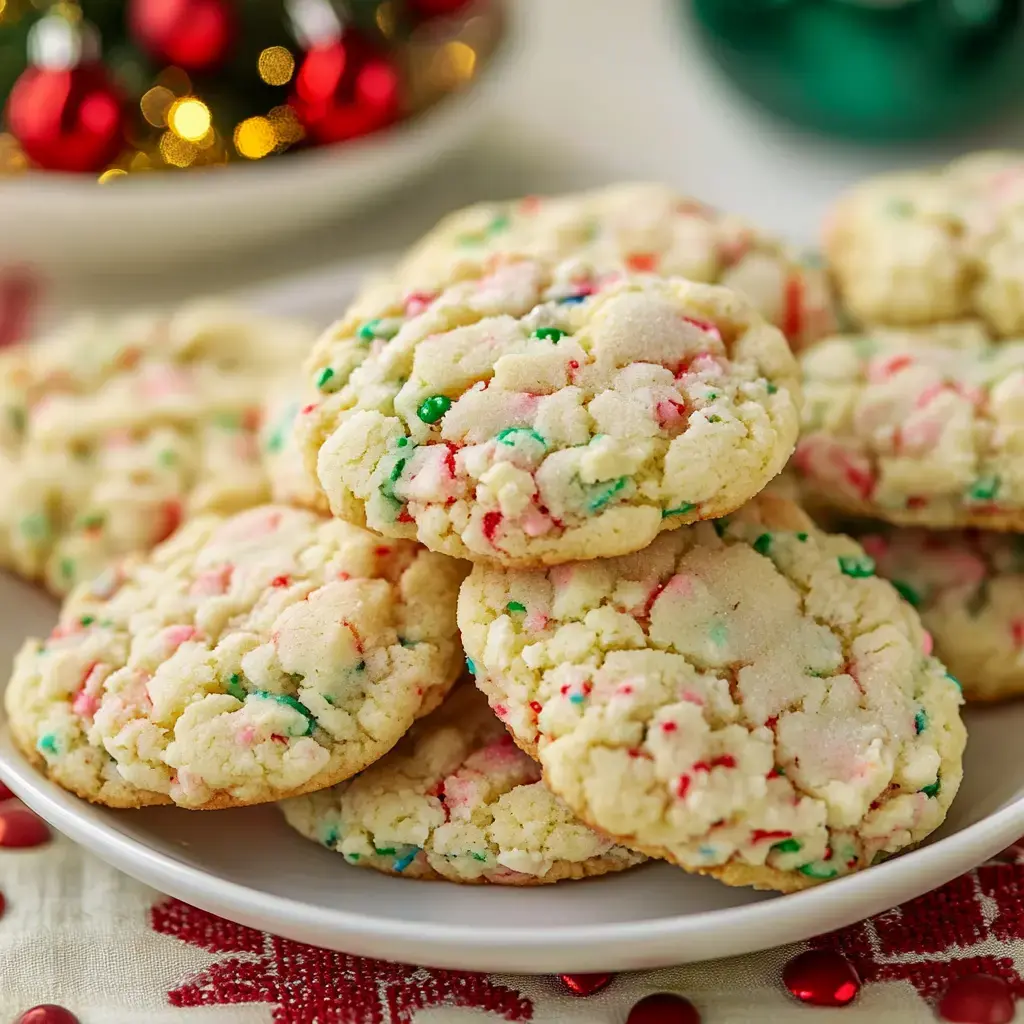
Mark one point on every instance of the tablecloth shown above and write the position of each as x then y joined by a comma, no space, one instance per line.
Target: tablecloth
77,933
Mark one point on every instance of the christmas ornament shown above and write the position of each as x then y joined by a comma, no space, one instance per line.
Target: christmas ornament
20,828
585,984
900,69
663,1008
345,89
194,35
64,110
48,1013
821,977
977,999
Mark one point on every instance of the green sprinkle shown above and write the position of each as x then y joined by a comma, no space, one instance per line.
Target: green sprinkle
932,790
515,606
907,592
433,408
920,722
602,498
984,489
168,457
857,566
324,378
47,744
720,525
352,857
499,224
478,856
549,334
956,682
814,871
712,395
763,544
788,846
401,442
360,666
93,521
801,537
679,510
471,665
227,420
87,620
373,329
388,851
510,435
295,705
406,642
67,568
714,419
35,526
772,388
235,687
388,487
719,633
331,838
901,208
17,417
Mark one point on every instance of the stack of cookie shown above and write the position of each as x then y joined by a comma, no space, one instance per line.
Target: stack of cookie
559,416
914,424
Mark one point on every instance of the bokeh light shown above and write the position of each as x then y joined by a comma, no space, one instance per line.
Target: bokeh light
276,65
255,138
112,174
189,119
155,104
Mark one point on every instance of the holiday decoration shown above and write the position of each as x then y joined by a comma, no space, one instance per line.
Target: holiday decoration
664,1008
977,999
48,1013
897,69
114,89
585,984
19,828
821,977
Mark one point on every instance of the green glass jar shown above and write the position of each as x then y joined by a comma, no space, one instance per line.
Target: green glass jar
877,70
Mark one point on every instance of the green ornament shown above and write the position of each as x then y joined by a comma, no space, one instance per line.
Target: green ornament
907,69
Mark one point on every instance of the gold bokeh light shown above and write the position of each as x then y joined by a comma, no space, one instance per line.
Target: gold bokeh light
276,65
255,138
189,119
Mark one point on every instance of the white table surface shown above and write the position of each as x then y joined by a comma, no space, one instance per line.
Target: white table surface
599,90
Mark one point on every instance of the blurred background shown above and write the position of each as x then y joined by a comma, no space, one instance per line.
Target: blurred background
154,148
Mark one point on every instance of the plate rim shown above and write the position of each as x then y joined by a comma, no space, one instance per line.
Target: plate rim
553,949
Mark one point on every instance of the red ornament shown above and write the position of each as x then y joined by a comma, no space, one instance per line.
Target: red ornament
345,89
66,120
663,1008
5,793
48,1013
195,35
821,977
19,828
427,9
585,984
977,999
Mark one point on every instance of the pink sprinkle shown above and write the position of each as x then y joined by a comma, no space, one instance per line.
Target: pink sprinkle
921,434
85,704
927,644
213,581
535,523
704,325
882,370
680,584
875,545
670,413
929,394
624,689
307,409
245,736
417,302
500,710
175,636
535,622
693,698
529,204
168,381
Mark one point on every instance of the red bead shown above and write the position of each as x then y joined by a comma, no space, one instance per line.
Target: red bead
195,35
48,1013
821,977
20,828
67,120
345,89
977,999
663,1008
585,984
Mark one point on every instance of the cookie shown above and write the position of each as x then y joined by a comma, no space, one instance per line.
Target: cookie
968,587
923,428
291,483
942,244
637,228
456,799
743,698
113,430
540,413
247,659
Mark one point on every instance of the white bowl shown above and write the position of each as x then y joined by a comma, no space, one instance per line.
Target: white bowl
59,223
247,865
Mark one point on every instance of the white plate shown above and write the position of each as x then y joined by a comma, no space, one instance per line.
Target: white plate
248,866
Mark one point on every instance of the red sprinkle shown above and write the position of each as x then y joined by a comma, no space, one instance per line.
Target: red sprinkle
449,458
170,520
642,262
355,636
382,551
492,520
20,828
47,1013
280,581
915,502
404,517
669,726
307,409
683,786
792,314
278,738
860,480
536,707
1017,629
759,835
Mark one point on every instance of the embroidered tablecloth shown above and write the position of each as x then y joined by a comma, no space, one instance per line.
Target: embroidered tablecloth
79,934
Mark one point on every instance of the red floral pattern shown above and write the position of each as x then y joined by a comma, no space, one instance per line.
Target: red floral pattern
929,941
308,985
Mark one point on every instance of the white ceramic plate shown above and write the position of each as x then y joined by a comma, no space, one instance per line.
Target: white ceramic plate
248,866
